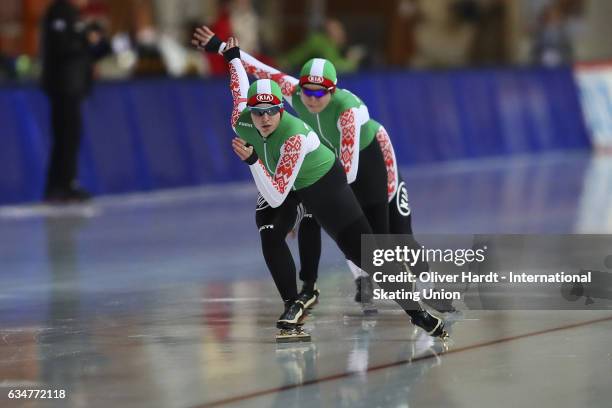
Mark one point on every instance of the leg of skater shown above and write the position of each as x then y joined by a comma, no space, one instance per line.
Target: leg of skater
370,188
378,218
273,225
400,216
309,243
342,218
309,239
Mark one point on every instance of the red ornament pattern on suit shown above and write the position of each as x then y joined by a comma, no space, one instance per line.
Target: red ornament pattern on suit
235,89
347,139
287,88
286,166
387,149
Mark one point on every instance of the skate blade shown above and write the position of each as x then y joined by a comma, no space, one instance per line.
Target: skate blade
444,335
369,310
292,336
284,326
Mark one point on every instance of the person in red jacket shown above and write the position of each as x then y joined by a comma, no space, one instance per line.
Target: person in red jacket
236,19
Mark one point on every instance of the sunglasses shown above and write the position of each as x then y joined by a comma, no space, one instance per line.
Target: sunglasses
270,110
317,93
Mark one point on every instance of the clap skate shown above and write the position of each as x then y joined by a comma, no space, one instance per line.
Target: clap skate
290,323
309,298
292,335
440,306
434,326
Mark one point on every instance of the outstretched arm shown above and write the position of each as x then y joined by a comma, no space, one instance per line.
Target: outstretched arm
260,70
239,82
205,39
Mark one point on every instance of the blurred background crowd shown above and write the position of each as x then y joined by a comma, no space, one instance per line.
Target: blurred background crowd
151,37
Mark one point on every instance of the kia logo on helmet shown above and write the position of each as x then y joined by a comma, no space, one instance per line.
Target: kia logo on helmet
266,98
315,79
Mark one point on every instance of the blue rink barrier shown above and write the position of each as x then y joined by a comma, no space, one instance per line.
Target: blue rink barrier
153,134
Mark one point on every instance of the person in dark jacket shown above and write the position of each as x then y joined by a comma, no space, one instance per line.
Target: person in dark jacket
70,49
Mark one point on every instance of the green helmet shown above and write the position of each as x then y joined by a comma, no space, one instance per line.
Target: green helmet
264,91
319,71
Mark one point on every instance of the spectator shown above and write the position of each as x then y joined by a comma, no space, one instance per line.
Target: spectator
180,60
147,39
330,45
70,48
552,45
490,45
7,70
445,33
237,18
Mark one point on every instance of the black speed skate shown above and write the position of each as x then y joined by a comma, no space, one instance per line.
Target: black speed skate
309,297
433,325
290,323
365,294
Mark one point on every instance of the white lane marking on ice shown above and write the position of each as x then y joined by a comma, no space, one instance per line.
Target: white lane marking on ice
43,210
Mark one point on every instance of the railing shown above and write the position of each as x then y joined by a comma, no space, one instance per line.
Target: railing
145,135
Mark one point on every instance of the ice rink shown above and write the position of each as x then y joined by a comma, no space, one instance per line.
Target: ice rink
164,300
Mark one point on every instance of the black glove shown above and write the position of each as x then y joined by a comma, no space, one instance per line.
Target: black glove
213,44
252,159
231,54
